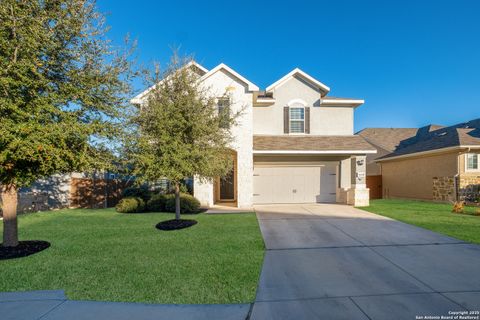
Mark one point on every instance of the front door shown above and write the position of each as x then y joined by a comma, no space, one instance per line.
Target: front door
227,187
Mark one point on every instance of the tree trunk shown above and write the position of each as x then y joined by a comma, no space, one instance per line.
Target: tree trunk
9,207
177,201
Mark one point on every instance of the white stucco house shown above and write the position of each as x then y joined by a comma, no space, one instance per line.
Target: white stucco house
293,143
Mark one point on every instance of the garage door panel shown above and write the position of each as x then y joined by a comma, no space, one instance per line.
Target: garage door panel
294,184
281,188
328,180
262,192
312,186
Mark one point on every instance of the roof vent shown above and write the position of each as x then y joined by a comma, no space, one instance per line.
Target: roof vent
442,134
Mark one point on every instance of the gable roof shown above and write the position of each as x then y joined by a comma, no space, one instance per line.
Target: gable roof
251,86
201,70
297,72
431,138
387,138
311,144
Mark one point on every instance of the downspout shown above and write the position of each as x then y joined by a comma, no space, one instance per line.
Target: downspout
457,176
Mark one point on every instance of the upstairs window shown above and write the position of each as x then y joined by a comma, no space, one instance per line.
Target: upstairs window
223,107
472,161
297,120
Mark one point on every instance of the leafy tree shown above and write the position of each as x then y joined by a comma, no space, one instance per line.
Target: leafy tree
63,93
180,132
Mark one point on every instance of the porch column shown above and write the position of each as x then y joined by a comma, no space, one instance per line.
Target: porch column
358,195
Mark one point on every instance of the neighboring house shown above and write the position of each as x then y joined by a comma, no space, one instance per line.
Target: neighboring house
75,190
44,194
293,143
435,163
386,141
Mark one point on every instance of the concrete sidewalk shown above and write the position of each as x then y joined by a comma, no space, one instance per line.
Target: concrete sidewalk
53,305
337,262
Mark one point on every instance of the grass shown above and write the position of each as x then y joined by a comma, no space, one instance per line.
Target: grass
108,256
433,216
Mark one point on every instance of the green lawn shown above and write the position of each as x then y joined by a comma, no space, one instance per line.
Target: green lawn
104,255
433,216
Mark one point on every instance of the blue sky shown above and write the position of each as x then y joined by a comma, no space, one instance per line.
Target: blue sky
414,62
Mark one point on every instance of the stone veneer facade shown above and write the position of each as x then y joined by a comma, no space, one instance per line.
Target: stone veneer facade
469,187
444,187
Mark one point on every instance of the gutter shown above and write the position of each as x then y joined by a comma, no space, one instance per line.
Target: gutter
313,151
434,151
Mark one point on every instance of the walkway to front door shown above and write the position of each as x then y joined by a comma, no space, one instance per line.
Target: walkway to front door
337,262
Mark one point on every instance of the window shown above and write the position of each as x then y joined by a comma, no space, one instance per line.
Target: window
472,161
297,120
223,107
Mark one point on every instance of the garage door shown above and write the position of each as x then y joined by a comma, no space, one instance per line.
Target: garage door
294,184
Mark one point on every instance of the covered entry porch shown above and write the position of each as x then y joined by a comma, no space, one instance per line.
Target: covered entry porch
310,169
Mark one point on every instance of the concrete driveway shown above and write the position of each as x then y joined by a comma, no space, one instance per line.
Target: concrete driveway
337,262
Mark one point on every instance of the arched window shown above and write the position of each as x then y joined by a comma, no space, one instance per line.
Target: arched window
297,116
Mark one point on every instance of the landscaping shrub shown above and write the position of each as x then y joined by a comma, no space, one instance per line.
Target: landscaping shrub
131,205
188,203
137,192
458,207
157,203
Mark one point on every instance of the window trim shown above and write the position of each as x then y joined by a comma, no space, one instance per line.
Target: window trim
226,103
298,120
466,162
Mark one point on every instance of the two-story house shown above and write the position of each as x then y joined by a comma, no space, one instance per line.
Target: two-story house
293,143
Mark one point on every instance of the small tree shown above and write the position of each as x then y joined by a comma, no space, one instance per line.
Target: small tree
62,92
180,132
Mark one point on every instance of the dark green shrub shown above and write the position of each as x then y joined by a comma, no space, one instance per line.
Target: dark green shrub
188,203
131,205
157,203
140,192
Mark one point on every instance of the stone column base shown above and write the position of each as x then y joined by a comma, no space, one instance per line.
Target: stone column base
358,197
341,196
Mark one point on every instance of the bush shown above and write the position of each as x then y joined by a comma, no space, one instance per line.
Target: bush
188,203
157,203
130,205
458,207
137,192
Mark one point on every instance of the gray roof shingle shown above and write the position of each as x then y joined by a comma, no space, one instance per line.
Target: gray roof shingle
462,134
310,143
387,138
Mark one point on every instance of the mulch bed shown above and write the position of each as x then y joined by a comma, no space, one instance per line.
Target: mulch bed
175,224
24,249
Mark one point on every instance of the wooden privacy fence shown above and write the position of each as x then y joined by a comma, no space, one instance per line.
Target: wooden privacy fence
96,193
374,183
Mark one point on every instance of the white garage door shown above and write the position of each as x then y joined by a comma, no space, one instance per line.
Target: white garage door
294,184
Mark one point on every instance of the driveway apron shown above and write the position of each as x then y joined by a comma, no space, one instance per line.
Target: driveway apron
328,261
